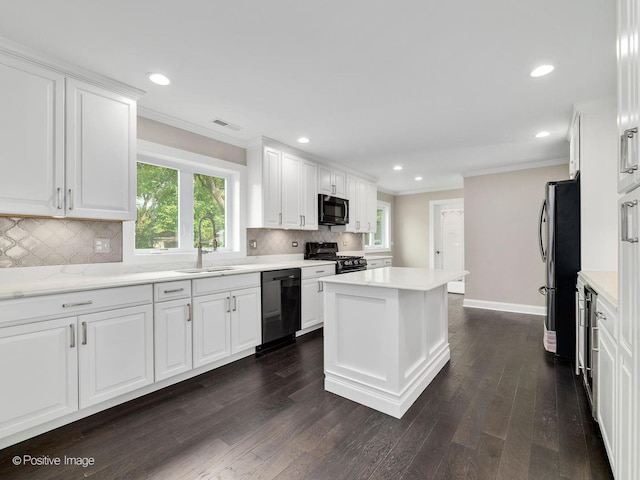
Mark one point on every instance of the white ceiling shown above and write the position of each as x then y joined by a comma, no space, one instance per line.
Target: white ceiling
439,87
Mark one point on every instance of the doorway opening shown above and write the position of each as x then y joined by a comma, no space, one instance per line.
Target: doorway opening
446,231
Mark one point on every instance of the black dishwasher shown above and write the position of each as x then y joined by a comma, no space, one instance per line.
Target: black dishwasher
281,299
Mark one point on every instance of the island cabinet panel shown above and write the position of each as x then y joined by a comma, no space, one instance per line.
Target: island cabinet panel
385,336
39,377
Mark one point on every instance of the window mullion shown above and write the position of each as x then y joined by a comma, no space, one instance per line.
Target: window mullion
186,210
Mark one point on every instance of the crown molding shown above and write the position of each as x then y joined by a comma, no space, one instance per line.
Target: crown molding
190,127
34,57
519,166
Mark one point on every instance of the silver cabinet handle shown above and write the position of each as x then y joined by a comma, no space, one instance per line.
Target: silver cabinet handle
84,333
72,327
301,224
235,303
304,220
280,219
188,312
59,198
174,290
320,287
624,221
542,290
77,304
228,302
628,134
70,200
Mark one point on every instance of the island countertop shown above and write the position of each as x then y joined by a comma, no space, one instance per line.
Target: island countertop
403,278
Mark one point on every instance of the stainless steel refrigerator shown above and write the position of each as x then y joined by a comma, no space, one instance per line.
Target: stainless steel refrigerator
559,236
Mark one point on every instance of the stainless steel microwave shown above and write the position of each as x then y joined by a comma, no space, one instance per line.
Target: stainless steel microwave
332,210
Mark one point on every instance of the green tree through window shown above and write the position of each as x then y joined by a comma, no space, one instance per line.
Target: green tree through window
209,200
157,206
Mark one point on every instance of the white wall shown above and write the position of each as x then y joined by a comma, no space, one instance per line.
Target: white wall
501,235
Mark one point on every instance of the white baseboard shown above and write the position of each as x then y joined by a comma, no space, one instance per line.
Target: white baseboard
505,307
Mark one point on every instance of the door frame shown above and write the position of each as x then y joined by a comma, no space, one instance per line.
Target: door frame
432,244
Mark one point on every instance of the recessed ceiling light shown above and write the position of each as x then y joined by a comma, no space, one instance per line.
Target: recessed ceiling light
397,167
159,79
303,140
542,134
542,70
417,179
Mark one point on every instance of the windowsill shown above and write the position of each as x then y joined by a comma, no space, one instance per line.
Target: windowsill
368,250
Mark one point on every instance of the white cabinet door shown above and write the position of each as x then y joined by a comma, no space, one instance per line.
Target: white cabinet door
116,353
31,139
172,338
627,418
39,374
211,328
310,303
574,146
291,211
272,190
246,321
332,182
606,392
309,195
100,157
628,101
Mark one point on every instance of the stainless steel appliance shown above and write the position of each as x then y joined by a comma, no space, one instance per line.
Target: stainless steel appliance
559,237
281,307
332,210
329,251
588,331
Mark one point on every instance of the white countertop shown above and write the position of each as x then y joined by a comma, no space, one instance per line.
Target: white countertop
605,283
401,278
28,282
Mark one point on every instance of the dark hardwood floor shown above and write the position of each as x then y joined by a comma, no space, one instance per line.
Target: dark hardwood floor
502,408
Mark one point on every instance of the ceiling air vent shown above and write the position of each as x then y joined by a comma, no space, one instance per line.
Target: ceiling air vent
222,123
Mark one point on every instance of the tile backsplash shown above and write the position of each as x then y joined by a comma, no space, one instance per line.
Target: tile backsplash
279,242
31,242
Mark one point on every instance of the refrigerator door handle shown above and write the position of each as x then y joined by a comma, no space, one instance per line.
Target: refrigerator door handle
542,209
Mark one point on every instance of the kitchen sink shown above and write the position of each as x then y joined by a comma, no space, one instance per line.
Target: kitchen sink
206,270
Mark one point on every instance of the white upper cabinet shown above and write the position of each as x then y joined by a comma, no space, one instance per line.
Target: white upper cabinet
628,90
574,146
332,182
362,196
101,134
31,139
282,190
68,147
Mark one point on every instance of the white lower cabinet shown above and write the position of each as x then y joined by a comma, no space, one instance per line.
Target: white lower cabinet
225,321
606,392
115,354
626,454
39,377
172,335
312,303
378,262
99,347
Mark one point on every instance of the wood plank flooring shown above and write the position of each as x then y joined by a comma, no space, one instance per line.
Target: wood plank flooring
501,409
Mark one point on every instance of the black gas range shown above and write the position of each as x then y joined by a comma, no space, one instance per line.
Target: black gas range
329,251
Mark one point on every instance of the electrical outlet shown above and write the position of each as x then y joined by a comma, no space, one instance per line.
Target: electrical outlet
253,244
294,244
102,245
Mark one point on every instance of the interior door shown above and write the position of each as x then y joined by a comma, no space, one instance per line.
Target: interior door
448,239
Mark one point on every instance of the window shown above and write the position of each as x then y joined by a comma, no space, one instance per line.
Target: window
175,190
380,240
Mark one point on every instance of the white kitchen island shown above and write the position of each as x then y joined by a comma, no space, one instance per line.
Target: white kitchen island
385,334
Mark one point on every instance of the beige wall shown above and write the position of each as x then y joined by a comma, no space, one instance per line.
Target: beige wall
501,235
411,227
164,134
391,200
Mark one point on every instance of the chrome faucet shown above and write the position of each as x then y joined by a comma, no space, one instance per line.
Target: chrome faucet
214,242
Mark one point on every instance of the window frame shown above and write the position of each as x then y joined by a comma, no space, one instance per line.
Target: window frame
386,230
187,163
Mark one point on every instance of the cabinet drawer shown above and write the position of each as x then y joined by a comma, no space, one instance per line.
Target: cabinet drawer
319,271
225,283
606,317
171,290
74,303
